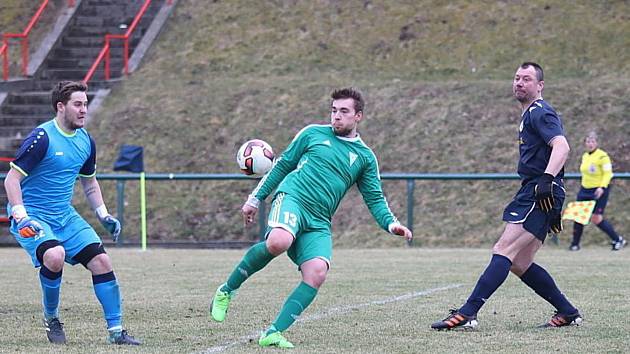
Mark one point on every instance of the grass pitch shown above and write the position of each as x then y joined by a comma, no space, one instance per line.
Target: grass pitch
374,301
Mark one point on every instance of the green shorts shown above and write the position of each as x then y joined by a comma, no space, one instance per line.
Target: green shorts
313,238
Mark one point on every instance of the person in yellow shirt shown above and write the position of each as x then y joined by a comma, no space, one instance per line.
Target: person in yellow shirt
596,169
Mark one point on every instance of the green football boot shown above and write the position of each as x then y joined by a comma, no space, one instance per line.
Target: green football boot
220,304
274,339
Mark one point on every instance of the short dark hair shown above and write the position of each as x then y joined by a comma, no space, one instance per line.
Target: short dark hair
350,92
591,134
540,76
64,89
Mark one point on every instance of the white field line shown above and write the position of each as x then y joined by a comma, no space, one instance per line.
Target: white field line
334,311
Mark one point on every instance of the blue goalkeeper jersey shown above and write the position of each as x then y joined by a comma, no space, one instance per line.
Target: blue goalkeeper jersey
51,160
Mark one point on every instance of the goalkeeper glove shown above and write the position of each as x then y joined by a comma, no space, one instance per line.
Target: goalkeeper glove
28,227
555,223
544,194
110,223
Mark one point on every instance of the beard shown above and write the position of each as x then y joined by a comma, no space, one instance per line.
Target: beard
522,97
342,131
71,124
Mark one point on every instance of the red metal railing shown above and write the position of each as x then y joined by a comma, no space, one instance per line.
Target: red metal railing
5,219
4,49
105,52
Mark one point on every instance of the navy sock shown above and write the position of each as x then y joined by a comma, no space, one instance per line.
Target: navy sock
577,233
495,274
537,278
108,294
609,230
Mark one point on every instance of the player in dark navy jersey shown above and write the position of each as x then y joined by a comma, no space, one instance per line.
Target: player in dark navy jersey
534,211
39,186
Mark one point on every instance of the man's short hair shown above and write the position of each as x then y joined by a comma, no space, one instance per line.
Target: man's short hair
591,135
540,76
64,89
350,92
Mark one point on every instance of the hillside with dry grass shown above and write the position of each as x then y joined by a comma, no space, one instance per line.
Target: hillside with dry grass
437,80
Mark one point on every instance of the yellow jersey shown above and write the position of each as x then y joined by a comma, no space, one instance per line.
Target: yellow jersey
596,169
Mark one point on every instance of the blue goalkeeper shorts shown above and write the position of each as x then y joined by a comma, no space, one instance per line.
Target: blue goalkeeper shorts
74,236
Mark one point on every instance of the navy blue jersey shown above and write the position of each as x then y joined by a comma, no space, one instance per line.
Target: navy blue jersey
51,160
539,125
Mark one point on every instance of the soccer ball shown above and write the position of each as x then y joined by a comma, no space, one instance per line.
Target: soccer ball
255,157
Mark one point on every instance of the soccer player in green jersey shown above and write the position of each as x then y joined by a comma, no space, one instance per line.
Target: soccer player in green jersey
310,178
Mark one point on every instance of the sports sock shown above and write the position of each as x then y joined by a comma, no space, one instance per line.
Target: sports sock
299,300
577,233
495,274
255,259
51,287
108,294
537,278
609,230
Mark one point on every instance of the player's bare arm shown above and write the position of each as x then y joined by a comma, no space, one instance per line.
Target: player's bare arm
559,153
92,191
13,188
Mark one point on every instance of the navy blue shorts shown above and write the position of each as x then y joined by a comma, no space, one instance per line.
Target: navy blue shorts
523,209
589,194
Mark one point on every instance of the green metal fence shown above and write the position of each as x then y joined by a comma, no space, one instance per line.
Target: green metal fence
410,179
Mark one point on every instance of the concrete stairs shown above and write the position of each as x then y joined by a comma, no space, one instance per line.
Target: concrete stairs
27,105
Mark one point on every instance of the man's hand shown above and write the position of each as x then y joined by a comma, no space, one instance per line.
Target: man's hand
249,212
544,194
555,224
112,225
400,230
28,227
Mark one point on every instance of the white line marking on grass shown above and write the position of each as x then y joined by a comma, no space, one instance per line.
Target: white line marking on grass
333,312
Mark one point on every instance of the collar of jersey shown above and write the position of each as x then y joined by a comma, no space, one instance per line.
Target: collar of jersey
61,130
356,138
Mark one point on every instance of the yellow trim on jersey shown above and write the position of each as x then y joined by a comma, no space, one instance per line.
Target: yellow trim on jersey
596,169
18,169
61,130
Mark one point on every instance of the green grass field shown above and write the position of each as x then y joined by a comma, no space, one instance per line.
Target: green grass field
373,301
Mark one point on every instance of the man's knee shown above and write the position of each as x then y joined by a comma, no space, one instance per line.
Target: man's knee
51,254
597,218
520,267
100,264
94,258
278,241
314,272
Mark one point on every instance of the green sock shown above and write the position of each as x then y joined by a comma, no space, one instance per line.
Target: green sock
255,259
299,300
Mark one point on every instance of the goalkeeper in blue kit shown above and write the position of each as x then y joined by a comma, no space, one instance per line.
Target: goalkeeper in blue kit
39,186
310,179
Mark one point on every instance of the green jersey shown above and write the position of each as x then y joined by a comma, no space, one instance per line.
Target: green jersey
319,167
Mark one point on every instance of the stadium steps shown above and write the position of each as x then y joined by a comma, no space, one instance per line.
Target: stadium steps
70,58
